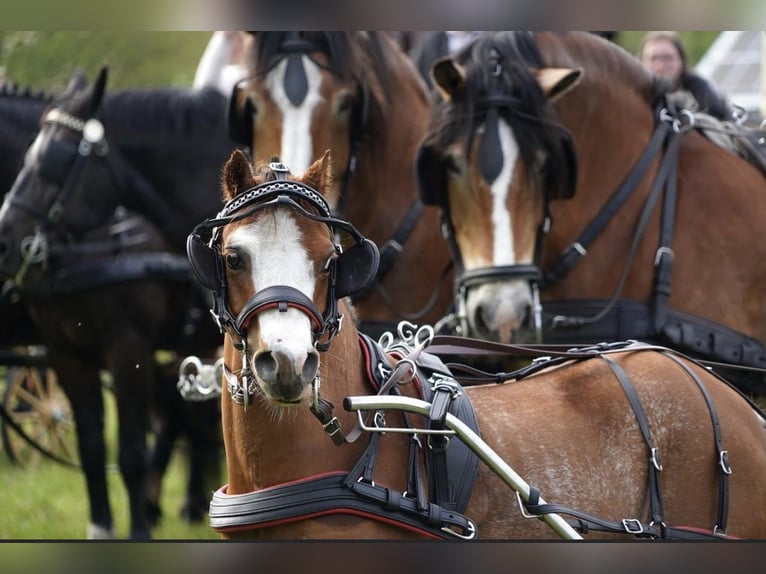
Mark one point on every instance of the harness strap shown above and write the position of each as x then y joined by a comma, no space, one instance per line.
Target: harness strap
655,465
572,254
446,389
585,522
330,494
394,246
724,470
664,259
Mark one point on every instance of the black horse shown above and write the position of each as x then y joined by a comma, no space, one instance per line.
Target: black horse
104,288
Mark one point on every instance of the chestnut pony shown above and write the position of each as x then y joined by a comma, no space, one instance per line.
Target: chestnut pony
358,95
643,438
560,165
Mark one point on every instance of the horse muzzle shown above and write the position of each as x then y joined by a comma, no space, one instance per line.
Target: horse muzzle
498,305
285,376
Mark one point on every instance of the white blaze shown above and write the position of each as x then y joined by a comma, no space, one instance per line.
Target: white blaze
503,249
274,246
297,150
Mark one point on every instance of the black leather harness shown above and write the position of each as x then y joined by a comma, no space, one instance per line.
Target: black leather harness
451,471
434,514
549,355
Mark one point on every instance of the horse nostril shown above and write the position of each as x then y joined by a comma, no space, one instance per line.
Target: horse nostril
480,322
265,366
310,367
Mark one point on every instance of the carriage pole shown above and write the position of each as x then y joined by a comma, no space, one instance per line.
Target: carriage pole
472,440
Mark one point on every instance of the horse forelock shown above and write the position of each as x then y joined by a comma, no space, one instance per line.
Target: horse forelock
362,59
530,117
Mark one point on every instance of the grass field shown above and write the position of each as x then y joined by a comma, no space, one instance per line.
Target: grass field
48,501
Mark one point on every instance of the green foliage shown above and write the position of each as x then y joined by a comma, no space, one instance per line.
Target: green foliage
48,501
46,60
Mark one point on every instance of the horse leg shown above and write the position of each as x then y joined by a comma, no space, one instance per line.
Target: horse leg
82,385
203,433
133,376
167,427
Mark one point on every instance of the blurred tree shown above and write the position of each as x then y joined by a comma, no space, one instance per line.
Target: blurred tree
45,60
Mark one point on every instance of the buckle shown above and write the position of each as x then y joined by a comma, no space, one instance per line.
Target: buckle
632,526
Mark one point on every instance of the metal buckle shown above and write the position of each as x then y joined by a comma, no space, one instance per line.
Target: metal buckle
660,252
439,382
723,460
656,458
471,530
332,427
632,526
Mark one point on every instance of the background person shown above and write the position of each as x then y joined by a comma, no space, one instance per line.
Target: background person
664,55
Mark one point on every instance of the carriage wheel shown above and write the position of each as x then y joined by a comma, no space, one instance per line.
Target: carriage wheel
37,404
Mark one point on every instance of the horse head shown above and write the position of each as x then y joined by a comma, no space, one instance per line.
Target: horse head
277,274
494,158
43,201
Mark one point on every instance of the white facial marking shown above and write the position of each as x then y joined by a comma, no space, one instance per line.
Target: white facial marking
274,246
31,157
296,151
500,305
503,248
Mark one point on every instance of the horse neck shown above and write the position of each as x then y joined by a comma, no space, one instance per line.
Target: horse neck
179,167
611,125
265,447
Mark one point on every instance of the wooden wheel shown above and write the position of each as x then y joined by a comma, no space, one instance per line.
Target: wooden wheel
37,404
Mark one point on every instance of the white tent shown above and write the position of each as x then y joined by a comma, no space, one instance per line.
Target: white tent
735,64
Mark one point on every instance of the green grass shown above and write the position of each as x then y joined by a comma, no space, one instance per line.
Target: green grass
46,60
49,501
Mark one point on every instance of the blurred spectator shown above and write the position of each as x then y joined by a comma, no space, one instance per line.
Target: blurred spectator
432,46
221,65
664,55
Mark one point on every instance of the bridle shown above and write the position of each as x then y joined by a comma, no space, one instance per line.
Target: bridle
292,48
61,170
347,271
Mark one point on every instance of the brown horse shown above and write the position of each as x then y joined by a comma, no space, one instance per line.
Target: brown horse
358,95
589,430
637,250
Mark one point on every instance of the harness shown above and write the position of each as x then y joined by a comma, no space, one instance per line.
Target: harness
293,46
584,321
653,321
546,356
451,471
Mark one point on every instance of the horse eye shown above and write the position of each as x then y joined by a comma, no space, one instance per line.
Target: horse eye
344,103
234,261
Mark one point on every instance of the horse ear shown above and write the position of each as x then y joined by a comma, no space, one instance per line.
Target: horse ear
77,82
99,87
319,175
237,175
556,82
448,76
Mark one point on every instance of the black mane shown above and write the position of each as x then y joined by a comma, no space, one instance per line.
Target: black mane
530,116
165,112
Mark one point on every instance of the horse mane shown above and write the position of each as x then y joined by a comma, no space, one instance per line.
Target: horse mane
530,117
165,111
13,90
360,58
605,62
